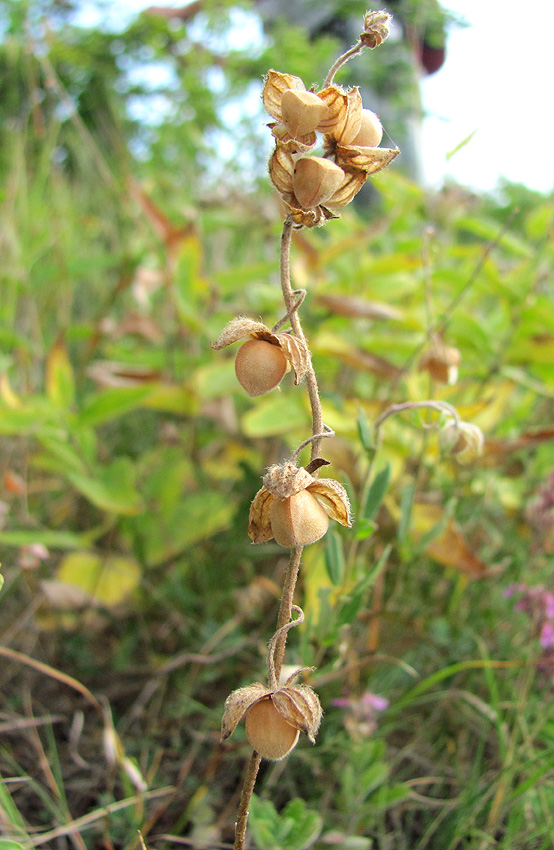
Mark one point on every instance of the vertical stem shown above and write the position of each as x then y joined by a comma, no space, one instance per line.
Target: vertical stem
288,296
245,797
285,609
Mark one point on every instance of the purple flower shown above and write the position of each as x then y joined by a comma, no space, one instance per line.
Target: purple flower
547,635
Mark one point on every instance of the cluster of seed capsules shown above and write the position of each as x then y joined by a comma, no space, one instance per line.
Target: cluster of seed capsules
314,188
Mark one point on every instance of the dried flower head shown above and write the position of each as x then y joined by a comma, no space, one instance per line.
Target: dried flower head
441,362
294,508
463,439
274,717
376,28
313,188
263,360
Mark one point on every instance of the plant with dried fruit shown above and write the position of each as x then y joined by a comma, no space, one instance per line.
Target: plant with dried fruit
294,505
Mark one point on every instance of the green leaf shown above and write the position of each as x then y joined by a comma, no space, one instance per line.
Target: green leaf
365,528
60,381
11,817
389,795
215,380
306,825
334,557
61,455
365,432
460,145
50,539
406,503
296,828
274,416
112,403
490,230
377,492
193,519
113,489
30,419
108,581
264,823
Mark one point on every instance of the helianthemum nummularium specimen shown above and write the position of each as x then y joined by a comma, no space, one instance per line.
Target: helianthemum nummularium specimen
294,508
261,362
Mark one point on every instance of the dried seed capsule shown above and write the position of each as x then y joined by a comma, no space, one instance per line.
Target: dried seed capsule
268,732
298,520
371,131
302,111
315,180
260,366
442,362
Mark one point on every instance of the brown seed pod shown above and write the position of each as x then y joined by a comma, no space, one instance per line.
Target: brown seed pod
268,731
276,512
315,180
441,362
298,520
371,131
260,366
294,351
274,716
302,111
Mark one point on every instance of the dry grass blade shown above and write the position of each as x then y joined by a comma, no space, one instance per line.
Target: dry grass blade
88,821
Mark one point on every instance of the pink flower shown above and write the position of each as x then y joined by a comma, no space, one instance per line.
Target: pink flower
547,635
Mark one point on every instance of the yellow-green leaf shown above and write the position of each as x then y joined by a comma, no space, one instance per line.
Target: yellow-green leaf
106,581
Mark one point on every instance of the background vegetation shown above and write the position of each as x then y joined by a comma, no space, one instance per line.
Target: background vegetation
136,219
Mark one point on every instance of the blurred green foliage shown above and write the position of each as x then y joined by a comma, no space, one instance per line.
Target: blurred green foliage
135,221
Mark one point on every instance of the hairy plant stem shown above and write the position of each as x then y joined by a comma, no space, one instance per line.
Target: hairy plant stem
290,298
245,797
353,51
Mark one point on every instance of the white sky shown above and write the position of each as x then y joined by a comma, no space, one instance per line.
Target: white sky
497,80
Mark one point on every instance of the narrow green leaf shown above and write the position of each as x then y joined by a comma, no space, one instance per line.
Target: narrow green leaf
50,539
334,557
365,431
406,503
60,380
377,492
460,145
